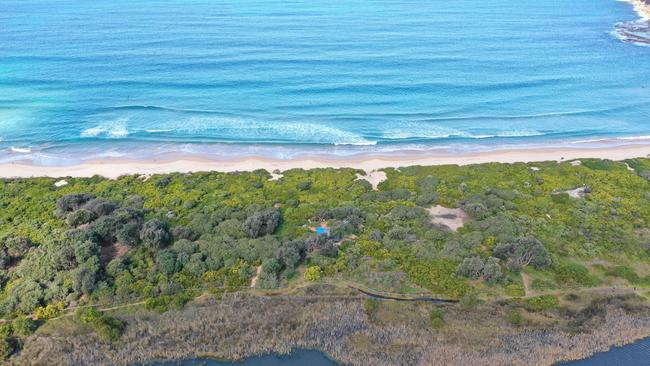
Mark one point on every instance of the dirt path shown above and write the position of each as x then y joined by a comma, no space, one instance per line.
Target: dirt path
429,297
257,275
526,281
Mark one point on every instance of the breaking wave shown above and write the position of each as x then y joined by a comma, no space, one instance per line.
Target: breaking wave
21,150
411,130
115,129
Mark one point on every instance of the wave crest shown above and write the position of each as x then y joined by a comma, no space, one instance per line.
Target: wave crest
429,131
115,129
21,150
273,131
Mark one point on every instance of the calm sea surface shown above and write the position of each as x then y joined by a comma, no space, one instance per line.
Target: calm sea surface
137,78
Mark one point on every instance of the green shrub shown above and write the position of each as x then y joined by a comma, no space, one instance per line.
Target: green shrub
469,300
370,305
80,217
89,315
597,164
541,303
436,318
574,274
515,289
159,304
109,328
625,272
154,234
23,326
514,317
541,284
426,199
561,198
313,273
7,347
304,186
436,275
106,326
50,311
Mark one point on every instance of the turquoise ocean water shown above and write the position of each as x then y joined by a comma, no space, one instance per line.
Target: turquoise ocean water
113,79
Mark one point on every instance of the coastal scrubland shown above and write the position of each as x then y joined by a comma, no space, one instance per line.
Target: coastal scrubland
138,268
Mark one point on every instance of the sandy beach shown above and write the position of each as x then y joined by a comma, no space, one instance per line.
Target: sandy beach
115,168
642,7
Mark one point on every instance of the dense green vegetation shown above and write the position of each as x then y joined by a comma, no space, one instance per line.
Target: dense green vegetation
168,238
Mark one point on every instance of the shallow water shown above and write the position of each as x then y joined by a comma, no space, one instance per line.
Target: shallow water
296,358
634,354
81,80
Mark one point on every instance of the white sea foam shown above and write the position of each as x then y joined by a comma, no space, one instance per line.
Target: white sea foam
159,131
606,139
233,129
113,129
360,143
645,137
412,130
21,150
92,132
514,133
587,141
118,131
519,133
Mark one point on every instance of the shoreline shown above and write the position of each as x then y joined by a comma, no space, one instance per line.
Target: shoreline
641,7
114,168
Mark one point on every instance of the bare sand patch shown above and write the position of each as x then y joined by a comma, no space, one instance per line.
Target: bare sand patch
61,183
453,218
579,192
374,177
276,176
257,275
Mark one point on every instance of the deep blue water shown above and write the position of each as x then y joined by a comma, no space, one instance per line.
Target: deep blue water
96,79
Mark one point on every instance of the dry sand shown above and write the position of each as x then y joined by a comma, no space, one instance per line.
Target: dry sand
642,7
374,178
453,218
579,192
115,168
258,271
